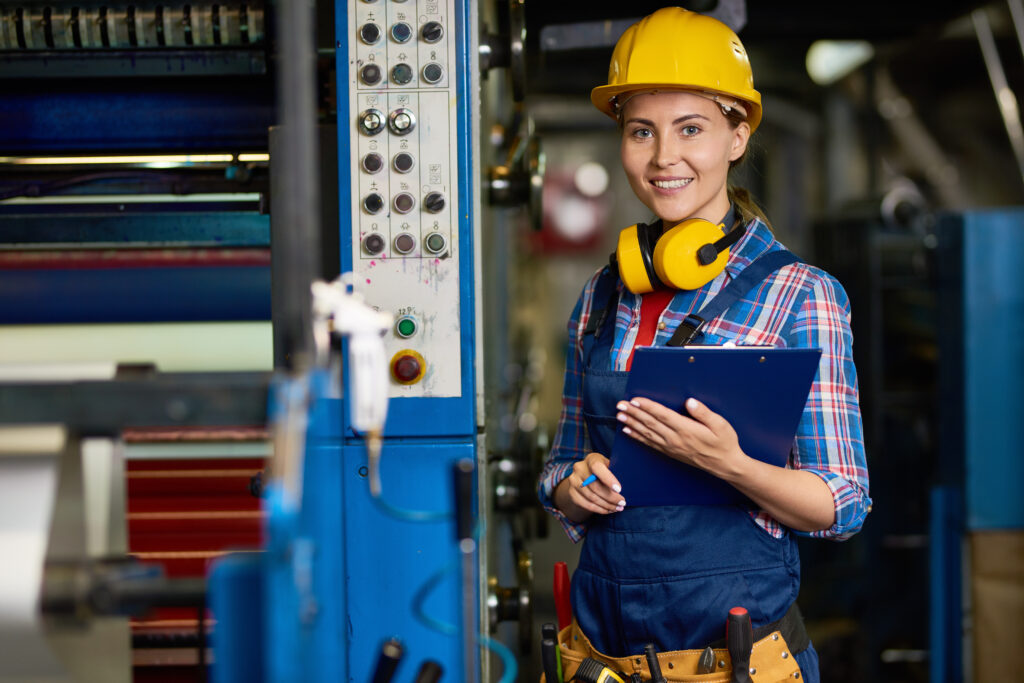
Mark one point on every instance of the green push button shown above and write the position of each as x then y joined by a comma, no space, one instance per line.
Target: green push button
436,243
406,326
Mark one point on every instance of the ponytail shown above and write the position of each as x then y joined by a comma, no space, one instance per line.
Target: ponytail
748,208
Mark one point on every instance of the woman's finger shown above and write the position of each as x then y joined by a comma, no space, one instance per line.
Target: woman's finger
604,475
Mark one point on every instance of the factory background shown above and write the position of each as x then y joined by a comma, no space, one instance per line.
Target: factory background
184,481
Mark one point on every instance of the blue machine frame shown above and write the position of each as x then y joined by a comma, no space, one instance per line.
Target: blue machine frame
981,328
345,571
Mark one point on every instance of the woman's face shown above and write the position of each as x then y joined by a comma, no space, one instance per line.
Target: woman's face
676,149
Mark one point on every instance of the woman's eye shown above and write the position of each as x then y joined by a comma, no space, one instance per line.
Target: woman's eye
690,130
642,133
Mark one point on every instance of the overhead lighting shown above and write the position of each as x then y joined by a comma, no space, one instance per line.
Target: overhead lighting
830,60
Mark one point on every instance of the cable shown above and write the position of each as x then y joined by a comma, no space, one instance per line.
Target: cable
508,661
373,449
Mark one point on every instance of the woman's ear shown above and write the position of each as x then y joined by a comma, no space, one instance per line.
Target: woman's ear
740,137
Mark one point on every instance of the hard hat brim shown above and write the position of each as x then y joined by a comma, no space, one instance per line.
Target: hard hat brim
602,96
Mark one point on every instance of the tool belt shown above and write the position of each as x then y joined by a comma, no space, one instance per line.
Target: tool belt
771,659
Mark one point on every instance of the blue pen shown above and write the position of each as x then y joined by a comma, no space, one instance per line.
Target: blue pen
589,480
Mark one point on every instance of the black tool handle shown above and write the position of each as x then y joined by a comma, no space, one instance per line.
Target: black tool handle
739,636
464,512
549,630
390,655
430,672
549,659
653,665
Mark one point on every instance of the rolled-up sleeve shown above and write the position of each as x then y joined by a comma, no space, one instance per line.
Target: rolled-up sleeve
570,442
830,438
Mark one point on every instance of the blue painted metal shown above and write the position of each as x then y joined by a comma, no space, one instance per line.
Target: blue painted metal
178,294
111,114
945,589
993,329
305,597
176,226
980,267
403,576
234,585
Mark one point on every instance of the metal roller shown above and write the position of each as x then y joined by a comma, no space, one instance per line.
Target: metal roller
129,26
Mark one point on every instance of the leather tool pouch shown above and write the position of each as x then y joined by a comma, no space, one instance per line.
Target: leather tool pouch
770,661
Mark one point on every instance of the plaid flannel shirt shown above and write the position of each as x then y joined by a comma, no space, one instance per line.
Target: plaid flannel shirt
797,306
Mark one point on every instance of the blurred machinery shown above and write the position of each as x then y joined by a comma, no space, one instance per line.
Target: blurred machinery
139,191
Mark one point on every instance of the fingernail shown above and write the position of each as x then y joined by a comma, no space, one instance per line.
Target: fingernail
627,430
622,504
622,405
621,417
617,488
635,403
691,404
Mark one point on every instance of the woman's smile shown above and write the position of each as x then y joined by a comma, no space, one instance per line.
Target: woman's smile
676,150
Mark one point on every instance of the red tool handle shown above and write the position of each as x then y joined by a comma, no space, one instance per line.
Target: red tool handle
563,606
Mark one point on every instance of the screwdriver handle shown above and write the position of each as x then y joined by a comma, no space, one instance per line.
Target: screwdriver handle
464,513
430,672
563,605
653,665
390,655
739,637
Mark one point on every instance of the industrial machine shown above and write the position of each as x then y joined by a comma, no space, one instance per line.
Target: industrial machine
144,189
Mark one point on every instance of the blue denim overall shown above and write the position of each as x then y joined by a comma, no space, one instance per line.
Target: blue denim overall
669,575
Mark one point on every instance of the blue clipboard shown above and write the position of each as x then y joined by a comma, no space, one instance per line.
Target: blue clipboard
761,391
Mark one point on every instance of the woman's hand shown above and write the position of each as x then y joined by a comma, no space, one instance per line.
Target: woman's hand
704,439
602,496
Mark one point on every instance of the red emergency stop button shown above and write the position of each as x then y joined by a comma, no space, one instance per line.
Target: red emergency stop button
408,367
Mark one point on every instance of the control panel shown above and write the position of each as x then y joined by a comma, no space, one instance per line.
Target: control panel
403,94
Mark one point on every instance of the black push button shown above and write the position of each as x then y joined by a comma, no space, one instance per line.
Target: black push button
403,162
369,33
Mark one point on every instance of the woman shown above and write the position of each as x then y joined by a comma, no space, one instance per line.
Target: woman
681,89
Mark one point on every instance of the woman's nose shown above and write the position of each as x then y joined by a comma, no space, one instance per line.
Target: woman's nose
666,153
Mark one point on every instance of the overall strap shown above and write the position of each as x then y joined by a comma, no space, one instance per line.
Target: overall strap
603,302
750,277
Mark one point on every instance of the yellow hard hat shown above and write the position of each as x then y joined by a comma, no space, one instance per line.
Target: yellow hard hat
680,50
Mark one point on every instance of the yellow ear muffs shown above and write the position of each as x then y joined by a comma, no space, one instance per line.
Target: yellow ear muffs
634,257
688,256
685,257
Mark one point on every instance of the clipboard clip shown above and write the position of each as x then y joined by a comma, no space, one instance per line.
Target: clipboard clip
687,331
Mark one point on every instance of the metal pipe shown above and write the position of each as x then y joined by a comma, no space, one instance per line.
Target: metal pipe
1017,13
1005,98
297,206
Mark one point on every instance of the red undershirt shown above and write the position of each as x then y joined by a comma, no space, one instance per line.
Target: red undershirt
652,305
